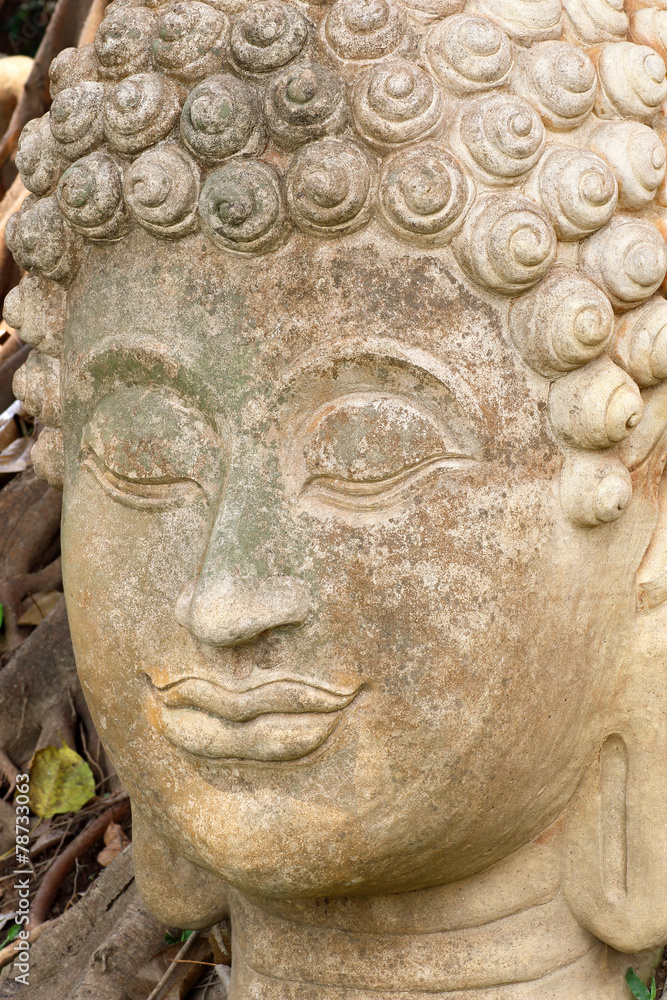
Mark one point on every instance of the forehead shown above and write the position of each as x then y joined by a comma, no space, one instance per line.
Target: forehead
146,310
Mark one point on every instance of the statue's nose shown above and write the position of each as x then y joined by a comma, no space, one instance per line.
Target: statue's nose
227,611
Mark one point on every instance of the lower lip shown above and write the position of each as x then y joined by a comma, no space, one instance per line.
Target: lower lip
272,737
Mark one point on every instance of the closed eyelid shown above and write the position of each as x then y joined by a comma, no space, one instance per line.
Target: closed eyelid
149,449
145,494
375,435
377,494
366,487
364,452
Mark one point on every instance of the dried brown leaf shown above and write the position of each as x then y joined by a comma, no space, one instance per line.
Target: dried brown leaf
9,428
16,457
40,604
116,842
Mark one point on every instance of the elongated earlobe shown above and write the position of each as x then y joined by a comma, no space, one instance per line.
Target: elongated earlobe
615,865
179,893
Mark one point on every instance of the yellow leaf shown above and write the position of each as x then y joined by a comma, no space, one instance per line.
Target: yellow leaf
60,781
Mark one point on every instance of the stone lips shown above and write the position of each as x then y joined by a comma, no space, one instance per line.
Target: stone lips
496,132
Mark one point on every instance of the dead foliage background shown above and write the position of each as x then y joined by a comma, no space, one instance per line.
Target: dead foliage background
90,936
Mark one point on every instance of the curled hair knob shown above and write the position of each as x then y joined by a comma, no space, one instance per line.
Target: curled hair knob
222,118
576,188
595,489
562,324
425,194
76,119
123,42
507,244
627,260
90,196
191,40
526,21
595,407
364,31
37,384
468,54
559,79
590,22
268,36
48,457
242,208
500,137
640,342
140,111
633,81
396,103
40,239
637,157
162,190
305,103
72,66
39,160
36,308
330,187
649,27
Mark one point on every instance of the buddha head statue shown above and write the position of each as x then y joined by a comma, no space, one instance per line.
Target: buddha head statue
351,347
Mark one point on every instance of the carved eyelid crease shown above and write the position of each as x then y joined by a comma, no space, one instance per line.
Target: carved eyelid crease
144,361
371,495
373,487
143,494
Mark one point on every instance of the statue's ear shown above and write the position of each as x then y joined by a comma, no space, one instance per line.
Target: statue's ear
644,452
615,864
175,891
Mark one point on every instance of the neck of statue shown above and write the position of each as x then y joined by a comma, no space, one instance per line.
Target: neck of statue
503,934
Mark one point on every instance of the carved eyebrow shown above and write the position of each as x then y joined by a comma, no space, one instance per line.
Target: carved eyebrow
384,349
114,365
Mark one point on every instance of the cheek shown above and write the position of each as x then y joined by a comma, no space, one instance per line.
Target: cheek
463,598
124,570
454,608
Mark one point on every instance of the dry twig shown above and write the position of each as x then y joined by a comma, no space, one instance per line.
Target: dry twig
154,994
64,863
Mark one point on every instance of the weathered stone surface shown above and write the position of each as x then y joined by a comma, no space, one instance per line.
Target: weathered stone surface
363,414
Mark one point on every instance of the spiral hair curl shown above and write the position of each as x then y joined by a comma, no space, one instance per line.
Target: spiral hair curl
501,129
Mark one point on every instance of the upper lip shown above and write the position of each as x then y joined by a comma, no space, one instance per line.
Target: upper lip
279,695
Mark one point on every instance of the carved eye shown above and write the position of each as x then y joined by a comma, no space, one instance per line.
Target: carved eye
149,451
366,449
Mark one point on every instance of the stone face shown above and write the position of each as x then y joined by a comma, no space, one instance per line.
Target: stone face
359,410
